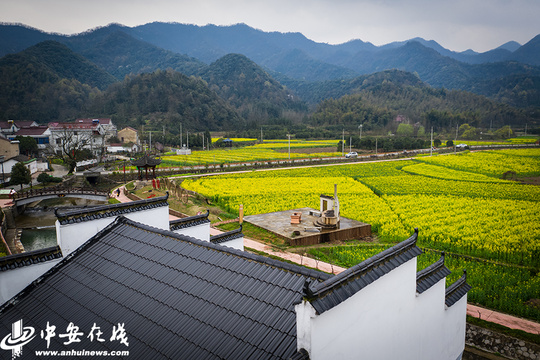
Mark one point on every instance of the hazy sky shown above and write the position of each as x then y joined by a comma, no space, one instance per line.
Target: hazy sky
455,24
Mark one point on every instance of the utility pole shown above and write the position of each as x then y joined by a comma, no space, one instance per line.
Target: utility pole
181,143
289,135
376,145
343,143
350,143
261,136
431,147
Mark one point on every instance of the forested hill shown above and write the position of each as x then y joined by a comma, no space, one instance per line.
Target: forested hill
246,86
120,54
48,82
63,62
290,54
377,104
165,99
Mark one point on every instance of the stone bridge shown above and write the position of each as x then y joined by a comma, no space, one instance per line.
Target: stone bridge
31,196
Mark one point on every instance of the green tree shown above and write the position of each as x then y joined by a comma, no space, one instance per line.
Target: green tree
505,132
421,132
27,145
471,133
405,130
20,175
340,146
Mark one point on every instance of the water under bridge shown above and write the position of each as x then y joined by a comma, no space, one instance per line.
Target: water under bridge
31,196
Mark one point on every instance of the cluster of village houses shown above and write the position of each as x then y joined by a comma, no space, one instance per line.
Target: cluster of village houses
94,133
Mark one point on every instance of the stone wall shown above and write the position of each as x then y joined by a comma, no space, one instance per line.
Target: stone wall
507,346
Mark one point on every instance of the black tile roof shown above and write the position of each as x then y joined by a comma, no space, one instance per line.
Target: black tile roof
227,236
179,297
324,296
104,211
15,261
189,221
457,290
431,275
146,160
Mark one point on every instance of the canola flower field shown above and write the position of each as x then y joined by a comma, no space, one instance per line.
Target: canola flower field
258,152
459,203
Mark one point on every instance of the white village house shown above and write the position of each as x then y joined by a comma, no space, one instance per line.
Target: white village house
180,293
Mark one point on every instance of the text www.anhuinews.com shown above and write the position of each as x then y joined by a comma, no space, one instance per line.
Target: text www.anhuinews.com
81,353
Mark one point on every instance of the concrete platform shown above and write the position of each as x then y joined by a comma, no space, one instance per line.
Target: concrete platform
279,223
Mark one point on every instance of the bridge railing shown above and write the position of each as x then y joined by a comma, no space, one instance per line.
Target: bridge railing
58,191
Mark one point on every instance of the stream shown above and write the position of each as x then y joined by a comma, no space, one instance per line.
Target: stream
38,221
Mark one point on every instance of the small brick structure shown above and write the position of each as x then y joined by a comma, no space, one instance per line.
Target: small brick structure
296,218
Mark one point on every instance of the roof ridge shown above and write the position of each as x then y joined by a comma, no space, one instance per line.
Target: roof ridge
331,292
227,236
107,210
365,265
189,221
429,276
29,257
457,290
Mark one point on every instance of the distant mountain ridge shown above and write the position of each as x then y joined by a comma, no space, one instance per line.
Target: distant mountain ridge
306,67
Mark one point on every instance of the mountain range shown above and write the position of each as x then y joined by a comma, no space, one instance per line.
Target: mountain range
260,74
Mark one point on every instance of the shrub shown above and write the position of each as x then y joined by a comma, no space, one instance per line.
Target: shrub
43,178
46,178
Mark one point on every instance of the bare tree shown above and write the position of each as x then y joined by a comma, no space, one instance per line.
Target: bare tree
71,146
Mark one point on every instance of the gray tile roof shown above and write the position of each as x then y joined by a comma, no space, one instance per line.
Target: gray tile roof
324,296
431,275
15,261
104,211
146,160
457,290
189,221
227,236
179,297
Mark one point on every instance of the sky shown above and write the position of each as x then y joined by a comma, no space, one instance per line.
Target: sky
457,25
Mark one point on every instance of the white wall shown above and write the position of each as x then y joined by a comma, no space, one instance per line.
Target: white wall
71,236
385,320
237,244
13,281
201,231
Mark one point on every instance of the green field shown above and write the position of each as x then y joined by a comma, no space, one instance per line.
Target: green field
460,203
